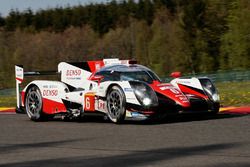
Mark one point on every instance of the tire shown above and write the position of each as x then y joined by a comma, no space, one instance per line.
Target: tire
116,105
216,108
34,103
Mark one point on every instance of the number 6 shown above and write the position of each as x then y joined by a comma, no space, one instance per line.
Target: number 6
87,103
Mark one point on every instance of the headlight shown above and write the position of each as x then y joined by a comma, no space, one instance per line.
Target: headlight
210,89
144,94
216,97
146,101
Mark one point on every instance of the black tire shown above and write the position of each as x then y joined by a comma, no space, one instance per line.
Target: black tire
216,108
34,104
116,102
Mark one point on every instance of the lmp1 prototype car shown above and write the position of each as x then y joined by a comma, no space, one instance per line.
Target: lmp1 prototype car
119,89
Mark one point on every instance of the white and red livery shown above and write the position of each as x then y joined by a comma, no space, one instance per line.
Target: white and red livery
119,89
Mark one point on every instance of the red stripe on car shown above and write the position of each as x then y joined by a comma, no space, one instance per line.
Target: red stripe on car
19,79
53,107
188,90
171,92
95,65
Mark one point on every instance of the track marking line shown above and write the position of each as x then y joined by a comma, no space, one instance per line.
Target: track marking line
9,110
235,110
227,108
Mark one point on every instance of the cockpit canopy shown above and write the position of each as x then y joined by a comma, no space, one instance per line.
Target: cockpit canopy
131,72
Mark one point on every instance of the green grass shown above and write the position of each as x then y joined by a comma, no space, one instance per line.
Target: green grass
231,94
7,101
234,93
7,98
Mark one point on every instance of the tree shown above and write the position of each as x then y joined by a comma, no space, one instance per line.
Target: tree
117,43
2,21
12,20
214,27
192,23
143,36
165,48
235,49
26,19
77,44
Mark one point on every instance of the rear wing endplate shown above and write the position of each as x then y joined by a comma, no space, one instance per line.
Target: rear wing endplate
19,73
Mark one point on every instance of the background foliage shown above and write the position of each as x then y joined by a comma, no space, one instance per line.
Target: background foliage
166,35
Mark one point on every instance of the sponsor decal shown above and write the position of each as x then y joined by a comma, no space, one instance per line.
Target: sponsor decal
48,92
166,87
171,88
49,86
97,66
174,91
101,104
135,114
128,89
19,73
171,92
73,72
111,61
164,84
184,82
19,69
52,86
73,78
138,115
131,98
182,98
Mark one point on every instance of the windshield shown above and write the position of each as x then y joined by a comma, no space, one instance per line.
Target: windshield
128,73
136,75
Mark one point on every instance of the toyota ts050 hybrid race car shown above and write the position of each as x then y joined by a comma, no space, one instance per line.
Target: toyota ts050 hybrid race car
119,89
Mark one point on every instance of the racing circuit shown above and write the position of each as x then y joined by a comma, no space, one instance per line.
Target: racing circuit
203,140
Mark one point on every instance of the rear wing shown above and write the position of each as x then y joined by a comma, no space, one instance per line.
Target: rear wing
19,79
93,66
20,74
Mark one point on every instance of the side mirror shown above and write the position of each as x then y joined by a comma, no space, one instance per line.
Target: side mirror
176,74
97,78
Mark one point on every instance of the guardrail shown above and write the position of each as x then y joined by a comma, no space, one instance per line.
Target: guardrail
223,76
8,92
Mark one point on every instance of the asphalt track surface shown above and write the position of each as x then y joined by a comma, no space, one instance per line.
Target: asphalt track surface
190,141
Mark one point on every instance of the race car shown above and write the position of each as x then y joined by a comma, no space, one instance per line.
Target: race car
118,89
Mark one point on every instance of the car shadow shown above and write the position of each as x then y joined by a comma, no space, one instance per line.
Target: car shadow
130,158
171,119
180,118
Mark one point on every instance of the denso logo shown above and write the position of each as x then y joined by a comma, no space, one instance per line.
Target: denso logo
48,92
73,72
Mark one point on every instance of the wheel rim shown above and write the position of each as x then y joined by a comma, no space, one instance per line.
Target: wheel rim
114,104
33,103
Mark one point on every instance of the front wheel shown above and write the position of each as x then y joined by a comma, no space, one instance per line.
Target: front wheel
116,104
216,108
33,104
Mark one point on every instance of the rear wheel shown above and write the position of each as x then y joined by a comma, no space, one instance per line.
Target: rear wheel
33,104
216,108
116,104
